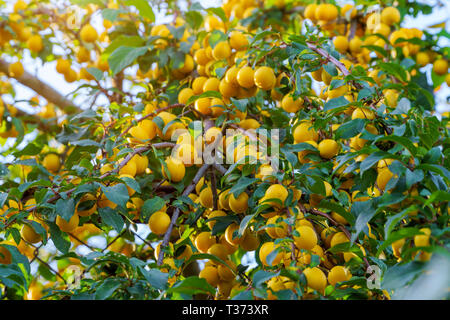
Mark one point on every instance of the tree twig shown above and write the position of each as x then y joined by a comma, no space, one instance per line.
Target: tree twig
200,173
43,89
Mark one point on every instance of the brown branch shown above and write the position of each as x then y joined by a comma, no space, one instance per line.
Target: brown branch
329,57
220,168
214,187
43,89
334,61
200,173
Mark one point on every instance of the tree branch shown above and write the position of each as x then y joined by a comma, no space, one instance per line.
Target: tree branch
200,173
43,89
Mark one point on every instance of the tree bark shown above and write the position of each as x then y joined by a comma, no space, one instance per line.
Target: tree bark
43,89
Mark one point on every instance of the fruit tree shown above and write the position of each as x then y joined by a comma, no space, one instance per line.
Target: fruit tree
255,149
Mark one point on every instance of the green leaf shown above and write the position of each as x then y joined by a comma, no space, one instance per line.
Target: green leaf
150,206
336,207
117,193
241,185
241,104
58,240
413,177
245,222
350,129
83,3
218,12
202,256
111,14
107,288
155,277
123,56
65,208
439,195
392,221
335,103
364,212
298,147
97,73
207,94
262,276
192,285
3,197
123,40
144,8
402,140
400,275
373,158
243,295
111,218
132,183
397,235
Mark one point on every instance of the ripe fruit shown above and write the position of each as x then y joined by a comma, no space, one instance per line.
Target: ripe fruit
206,197
423,240
310,11
159,222
341,43
16,69
29,235
221,51
338,238
384,175
88,33
219,251
307,238
184,95
361,113
129,169
5,255
176,169
338,274
316,279
290,105
305,132
390,15
440,67
250,241
211,275
35,43
19,5
326,12
397,247
62,66
239,204
204,241
355,45
225,273
276,191
264,78
215,214
238,40
211,84
203,105
87,205
245,77
51,162
266,249
68,226
231,234
328,148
